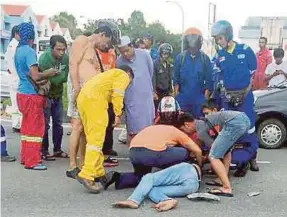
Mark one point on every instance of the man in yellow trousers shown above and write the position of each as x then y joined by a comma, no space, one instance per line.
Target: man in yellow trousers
92,103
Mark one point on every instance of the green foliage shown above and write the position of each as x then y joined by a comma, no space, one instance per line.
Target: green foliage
136,26
67,21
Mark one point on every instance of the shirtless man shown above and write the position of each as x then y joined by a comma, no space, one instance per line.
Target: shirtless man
83,66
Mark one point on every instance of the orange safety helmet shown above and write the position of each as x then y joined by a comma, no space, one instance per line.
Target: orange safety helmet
192,38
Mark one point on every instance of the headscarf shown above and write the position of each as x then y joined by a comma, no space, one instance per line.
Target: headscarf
26,33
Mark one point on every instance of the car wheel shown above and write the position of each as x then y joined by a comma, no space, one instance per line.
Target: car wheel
271,133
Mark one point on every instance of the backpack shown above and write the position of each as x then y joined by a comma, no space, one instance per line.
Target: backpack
203,60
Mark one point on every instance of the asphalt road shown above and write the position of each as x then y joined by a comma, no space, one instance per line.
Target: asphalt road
49,193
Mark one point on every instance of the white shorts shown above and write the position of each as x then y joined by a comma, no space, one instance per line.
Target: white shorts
72,111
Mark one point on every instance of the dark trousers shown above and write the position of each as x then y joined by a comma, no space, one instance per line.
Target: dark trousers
109,141
144,160
54,109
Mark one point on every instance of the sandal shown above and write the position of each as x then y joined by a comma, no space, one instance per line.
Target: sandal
111,162
61,154
48,157
219,192
73,173
37,167
214,183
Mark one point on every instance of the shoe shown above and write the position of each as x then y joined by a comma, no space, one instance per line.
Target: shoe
15,130
91,186
7,158
69,133
48,157
253,165
241,171
111,162
110,178
73,173
37,167
123,141
110,152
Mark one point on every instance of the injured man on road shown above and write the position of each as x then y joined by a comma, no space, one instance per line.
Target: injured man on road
176,181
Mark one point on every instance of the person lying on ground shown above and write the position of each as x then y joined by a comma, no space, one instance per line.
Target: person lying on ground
160,187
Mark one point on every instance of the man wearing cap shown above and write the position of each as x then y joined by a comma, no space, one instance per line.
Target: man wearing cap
84,64
139,105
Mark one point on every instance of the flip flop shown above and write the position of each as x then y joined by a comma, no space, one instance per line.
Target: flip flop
214,183
203,196
219,192
60,154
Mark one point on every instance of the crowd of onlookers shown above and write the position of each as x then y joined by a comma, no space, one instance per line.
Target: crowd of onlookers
192,109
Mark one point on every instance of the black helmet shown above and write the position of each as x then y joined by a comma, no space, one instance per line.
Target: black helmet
165,47
113,27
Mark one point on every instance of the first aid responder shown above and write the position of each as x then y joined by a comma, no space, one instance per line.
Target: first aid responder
93,102
237,63
192,74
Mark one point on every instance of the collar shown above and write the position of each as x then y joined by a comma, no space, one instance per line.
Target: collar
231,48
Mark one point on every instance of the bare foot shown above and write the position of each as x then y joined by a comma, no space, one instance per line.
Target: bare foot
126,204
166,205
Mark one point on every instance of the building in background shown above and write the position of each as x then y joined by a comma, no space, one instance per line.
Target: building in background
56,29
44,28
273,28
66,34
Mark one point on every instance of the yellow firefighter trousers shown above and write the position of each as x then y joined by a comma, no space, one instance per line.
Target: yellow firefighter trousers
95,119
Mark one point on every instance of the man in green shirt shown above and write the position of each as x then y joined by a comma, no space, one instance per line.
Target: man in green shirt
55,57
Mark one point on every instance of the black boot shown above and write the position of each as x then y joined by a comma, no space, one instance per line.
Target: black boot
241,171
253,165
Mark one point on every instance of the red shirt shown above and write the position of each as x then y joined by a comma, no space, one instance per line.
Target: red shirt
264,58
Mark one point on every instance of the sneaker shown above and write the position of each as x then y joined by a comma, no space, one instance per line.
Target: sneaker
73,173
15,130
91,186
37,167
7,158
203,196
241,171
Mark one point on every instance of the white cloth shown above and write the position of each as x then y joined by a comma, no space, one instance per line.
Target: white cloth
124,41
279,79
14,80
9,58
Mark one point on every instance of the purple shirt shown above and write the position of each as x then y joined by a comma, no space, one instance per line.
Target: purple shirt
139,105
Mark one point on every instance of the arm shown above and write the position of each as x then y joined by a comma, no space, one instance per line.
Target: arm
252,61
9,56
31,61
120,84
208,78
176,74
194,149
62,76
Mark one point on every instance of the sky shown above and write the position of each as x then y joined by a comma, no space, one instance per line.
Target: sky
168,13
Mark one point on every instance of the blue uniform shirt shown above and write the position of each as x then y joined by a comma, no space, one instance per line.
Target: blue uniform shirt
25,57
236,66
193,80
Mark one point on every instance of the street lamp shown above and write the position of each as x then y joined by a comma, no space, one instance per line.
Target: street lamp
182,21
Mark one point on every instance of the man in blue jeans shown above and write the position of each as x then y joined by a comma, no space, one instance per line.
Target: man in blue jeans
233,125
176,181
55,57
159,146
5,157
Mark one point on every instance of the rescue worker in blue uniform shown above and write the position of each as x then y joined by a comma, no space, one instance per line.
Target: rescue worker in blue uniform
192,74
237,63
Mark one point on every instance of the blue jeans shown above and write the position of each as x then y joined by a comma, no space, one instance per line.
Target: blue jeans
144,160
3,142
54,109
176,181
231,132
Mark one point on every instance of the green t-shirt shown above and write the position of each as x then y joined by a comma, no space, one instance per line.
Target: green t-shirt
46,62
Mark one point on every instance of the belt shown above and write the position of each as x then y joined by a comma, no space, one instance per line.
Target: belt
198,173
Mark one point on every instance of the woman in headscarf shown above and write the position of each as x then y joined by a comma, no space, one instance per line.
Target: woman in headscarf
30,103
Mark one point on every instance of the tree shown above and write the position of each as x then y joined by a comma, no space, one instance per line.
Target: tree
137,24
66,20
